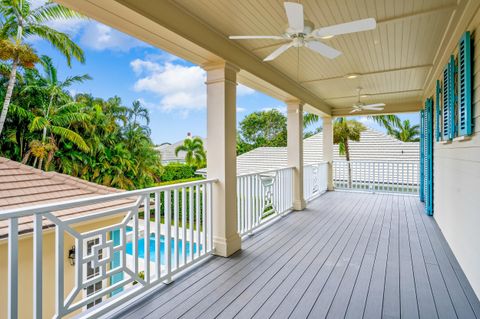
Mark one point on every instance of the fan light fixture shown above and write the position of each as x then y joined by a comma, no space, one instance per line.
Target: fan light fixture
352,76
302,33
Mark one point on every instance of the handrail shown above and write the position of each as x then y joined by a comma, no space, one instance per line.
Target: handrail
66,204
267,171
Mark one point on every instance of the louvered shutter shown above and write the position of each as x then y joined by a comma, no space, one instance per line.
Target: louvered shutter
422,155
429,156
465,85
438,114
448,129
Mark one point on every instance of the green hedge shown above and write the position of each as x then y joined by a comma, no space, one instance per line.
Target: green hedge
176,171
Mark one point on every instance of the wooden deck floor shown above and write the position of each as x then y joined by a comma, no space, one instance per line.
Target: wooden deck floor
349,255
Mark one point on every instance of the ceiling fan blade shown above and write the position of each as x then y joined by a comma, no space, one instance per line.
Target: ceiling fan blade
376,105
278,51
349,27
355,110
295,16
323,49
246,37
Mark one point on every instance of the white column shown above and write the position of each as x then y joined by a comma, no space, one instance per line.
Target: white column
221,155
327,131
295,150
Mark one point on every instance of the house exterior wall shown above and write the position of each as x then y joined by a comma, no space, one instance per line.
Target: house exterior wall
25,270
457,181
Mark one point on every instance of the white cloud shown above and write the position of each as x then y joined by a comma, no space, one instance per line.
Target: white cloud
100,37
181,88
241,109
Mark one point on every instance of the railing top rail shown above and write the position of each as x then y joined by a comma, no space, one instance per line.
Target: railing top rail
265,172
316,163
45,208
374,161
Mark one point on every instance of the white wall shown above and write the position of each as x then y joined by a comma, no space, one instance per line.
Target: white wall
457,185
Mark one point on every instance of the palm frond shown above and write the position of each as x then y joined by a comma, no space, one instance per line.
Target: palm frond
38,123
52,11
75,79
59,40
71,136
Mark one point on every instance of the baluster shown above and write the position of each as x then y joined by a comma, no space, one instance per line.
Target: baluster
146,237
158,264
190,208
197,214
184,225
210,216
59,268
204,219
168,235
175,223
13,268
37,265
239,196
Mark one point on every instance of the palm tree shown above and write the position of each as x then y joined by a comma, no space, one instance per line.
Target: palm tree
53,88
405,132
195,153
387,121
19,22
138,112
343,131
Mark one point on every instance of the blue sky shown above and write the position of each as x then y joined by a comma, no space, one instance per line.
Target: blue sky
171,88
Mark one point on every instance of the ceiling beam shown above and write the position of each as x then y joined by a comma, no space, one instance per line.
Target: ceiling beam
418,14
407,68
373,94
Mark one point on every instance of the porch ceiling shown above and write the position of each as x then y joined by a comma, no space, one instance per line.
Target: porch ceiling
395,61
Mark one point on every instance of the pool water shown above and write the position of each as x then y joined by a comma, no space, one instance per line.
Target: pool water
153,248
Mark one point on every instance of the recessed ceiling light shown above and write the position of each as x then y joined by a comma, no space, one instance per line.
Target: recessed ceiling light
327,37
352,76
364,95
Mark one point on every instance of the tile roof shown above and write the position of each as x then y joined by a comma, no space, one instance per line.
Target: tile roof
22,185
373,146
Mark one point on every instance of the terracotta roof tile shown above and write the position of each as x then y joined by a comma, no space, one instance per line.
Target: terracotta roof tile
22,185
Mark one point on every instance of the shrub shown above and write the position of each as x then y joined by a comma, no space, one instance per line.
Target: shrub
176,171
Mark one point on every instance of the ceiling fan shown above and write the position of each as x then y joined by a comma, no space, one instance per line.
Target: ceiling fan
360,106
301,33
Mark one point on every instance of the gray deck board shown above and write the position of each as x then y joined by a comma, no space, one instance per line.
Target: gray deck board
349,255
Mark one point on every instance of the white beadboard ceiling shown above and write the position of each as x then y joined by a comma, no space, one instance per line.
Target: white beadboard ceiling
393,60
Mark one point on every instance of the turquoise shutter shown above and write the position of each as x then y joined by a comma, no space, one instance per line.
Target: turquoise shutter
465,85
429,156
445,104
438,114
422,156
448,129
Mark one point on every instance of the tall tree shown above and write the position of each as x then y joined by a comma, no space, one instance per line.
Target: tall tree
20,21
195,153
264,128
344,131
405,132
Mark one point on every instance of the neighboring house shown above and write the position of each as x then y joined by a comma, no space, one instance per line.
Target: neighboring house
168,152
373,146
22,185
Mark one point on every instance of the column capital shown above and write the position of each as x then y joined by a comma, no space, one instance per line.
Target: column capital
214,65
221,71
294,102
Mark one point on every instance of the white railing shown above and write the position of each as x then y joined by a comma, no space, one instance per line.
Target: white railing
314,180
261,197
113,257
377,176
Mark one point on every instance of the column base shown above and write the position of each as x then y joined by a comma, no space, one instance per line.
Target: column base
226,247
299,204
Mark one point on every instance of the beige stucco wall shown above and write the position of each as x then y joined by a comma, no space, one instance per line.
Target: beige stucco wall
457,184
26,270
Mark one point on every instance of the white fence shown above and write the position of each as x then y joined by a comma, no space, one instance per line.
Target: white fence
377,176
314,180
112,262
262,197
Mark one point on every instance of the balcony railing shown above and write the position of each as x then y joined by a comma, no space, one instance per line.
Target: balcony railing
262,197
123,255
314,180
377,176
130,242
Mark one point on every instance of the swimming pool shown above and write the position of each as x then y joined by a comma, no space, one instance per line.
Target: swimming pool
141,249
